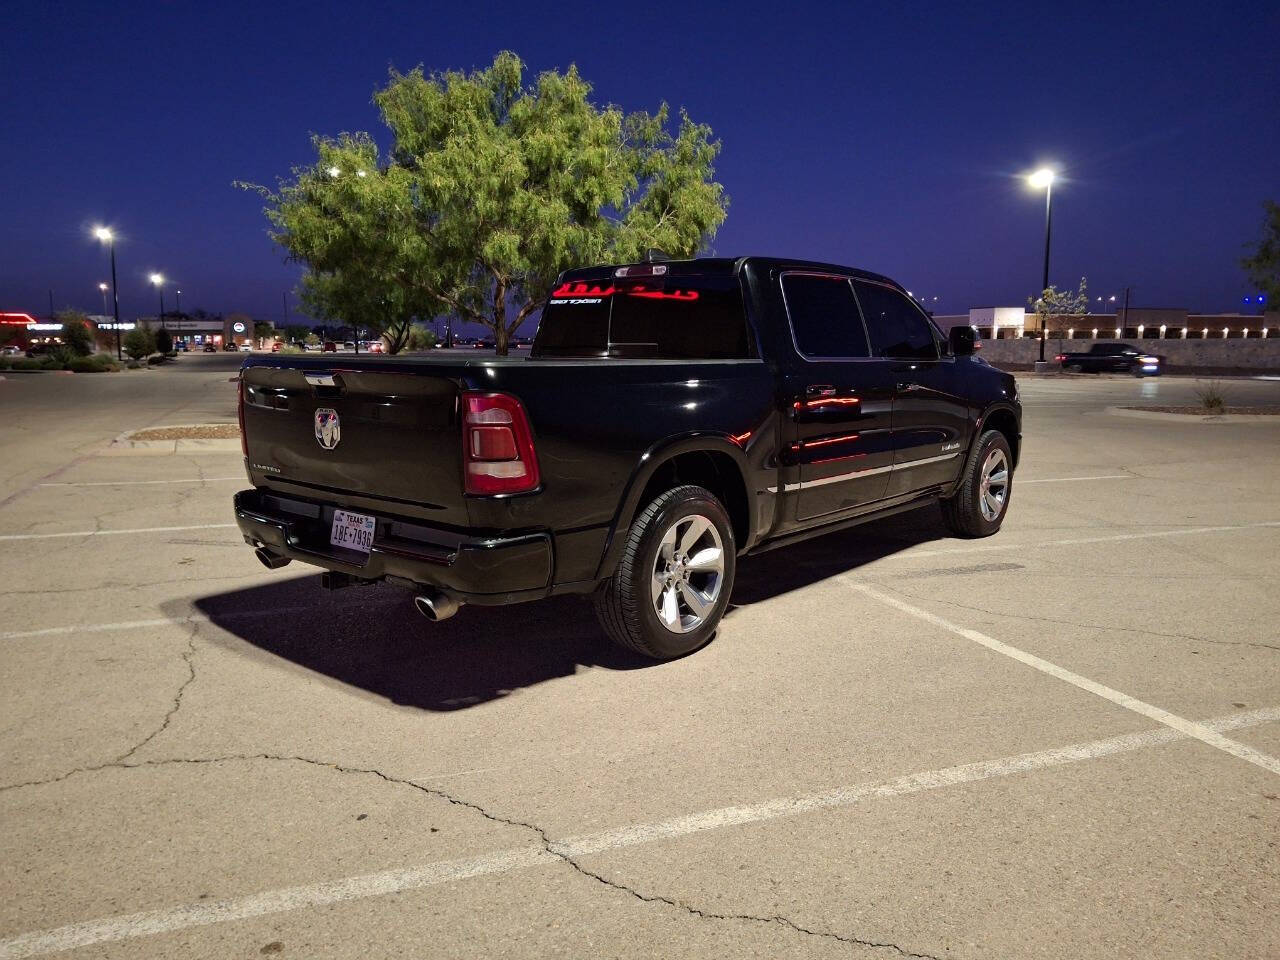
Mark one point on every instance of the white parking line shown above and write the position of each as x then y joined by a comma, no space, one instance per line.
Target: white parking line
1076,541
1189,728
149,922
108,533
1109,476
229,616
134,483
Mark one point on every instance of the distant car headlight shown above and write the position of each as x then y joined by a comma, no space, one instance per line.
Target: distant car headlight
1149,359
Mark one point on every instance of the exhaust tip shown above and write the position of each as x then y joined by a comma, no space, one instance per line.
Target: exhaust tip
436,605
272,561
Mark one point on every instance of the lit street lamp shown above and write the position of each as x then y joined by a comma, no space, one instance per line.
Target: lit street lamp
104,235
102,287
1043,179
157,281
177,294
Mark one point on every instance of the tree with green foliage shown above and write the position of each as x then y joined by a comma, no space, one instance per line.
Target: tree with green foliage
1263,264
419,338
1054,305
262,330
139,343
490,189
75,332
164,340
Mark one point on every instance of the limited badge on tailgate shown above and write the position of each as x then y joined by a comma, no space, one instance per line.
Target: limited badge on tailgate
352,531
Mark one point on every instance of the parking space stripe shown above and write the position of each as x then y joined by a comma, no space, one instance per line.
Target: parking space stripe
1107,476
108,533
1188,728
135,483
229,616
1078,541
187,916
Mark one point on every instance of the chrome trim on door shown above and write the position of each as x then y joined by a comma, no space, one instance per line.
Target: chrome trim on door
791,487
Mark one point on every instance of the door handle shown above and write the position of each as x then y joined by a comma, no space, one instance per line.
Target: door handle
820,390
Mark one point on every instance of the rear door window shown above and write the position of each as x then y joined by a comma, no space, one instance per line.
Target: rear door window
897,326
664,318
825,322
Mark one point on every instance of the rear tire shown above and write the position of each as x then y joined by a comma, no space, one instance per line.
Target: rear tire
673,582
980,504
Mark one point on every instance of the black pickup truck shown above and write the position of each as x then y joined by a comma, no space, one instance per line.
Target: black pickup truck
1113,358
670,417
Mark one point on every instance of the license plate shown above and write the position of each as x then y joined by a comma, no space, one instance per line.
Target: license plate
352,531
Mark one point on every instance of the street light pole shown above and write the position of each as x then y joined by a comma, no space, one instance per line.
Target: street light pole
107,237
178,296
1044,178
1048,226
102,288
158,280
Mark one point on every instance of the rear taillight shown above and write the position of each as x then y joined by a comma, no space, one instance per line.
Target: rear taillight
1060,357
244,443
497,445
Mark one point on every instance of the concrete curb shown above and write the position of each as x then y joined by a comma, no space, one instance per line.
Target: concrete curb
125,446
1253,418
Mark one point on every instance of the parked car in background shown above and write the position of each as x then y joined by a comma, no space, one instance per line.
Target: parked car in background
275,346
329,347
230,346
1113,358
246,347
671,417
11,350
348,345
210,348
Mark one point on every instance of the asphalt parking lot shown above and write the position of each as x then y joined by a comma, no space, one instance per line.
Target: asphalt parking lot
1058,742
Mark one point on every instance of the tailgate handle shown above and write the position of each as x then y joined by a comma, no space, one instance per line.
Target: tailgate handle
320,379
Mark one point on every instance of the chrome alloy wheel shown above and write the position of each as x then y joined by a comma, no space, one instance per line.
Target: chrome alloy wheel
994,488
688,574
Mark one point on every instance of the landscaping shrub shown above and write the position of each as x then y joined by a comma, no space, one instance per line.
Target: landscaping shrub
75,333
139,342
1212,399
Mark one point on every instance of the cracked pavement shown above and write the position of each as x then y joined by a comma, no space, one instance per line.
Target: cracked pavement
247,765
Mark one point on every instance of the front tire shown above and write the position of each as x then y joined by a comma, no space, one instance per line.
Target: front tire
978,507
672,585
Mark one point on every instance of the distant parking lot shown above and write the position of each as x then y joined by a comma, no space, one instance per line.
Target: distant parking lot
1058,742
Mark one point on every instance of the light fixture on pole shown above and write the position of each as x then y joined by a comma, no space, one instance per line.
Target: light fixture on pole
177,295
104,235
102,288
157,280
1042,179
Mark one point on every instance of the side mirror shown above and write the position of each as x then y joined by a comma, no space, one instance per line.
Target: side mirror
962,339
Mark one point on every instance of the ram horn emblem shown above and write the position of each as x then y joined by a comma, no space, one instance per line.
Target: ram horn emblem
328,428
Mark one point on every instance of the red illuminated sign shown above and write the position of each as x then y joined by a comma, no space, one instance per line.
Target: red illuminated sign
17,318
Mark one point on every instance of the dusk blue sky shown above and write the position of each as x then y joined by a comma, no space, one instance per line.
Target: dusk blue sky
885,136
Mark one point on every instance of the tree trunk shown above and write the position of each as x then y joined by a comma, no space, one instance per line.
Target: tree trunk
500,318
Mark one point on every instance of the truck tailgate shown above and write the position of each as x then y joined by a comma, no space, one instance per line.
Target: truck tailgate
374,434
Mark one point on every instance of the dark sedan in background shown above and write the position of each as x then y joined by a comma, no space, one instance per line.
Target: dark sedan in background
1113,358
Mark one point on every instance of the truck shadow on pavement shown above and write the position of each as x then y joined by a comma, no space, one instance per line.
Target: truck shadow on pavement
372,638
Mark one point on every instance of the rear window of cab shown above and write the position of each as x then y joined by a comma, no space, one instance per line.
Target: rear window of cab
696,317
